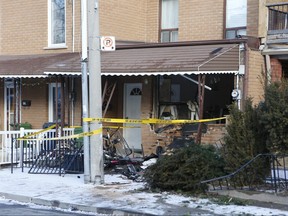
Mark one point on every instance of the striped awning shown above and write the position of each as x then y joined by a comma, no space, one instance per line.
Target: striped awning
152,59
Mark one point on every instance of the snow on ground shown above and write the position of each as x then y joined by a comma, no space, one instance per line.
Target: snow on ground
205,204
117,192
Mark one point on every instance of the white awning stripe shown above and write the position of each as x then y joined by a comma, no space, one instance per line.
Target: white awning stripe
64,73
145,73
23,76
167,73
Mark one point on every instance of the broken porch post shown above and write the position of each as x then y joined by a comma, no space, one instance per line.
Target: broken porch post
201,91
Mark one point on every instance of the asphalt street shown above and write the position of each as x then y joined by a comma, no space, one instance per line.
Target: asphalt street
23,210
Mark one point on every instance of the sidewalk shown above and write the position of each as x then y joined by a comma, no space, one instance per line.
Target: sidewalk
118,196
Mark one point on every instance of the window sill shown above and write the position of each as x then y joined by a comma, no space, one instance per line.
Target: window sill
55,47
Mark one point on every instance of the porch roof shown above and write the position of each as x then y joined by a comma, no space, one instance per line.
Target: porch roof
152,59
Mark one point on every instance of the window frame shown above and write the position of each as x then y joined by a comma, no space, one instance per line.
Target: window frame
170,30
235,29
50,43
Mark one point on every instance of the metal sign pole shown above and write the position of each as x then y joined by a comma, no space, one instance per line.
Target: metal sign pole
86,144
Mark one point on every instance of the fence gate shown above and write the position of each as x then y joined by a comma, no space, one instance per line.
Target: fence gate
63,156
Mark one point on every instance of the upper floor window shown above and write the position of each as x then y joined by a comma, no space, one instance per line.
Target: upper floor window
57,26
236,18
169,21
278,17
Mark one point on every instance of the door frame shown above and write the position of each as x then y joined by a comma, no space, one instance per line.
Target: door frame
137,85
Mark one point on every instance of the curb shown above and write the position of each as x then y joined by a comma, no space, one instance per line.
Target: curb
248,195
69,206
261,199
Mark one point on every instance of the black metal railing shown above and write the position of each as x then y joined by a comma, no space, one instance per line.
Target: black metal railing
263,172
49,156
66,157
277,17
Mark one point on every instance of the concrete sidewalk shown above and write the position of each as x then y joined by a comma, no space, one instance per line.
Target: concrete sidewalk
118,196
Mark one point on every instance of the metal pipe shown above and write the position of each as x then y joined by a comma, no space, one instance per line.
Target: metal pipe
194,81
87,169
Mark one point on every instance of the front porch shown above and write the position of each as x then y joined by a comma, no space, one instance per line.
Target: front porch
15,151
26,152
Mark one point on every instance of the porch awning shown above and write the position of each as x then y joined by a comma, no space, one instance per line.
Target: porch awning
155,59
30,66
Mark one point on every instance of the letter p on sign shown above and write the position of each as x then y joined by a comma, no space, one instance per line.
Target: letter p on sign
108,43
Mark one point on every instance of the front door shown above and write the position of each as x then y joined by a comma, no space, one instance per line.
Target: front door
132,110
54,102
11,107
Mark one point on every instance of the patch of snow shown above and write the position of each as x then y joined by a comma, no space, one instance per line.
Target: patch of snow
118,192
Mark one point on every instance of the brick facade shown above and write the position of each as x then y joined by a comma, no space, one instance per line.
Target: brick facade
276,70
254,76
125,19
24,30
199,21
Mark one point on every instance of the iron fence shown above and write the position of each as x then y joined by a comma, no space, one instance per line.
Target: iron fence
265,172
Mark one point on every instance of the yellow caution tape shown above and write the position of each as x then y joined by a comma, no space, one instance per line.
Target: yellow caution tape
115,120
150,121
38,132
108,127
75,136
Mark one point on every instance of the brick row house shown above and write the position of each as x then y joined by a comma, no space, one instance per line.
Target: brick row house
164,49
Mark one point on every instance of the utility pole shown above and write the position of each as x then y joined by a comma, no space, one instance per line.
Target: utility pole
85,111
95,97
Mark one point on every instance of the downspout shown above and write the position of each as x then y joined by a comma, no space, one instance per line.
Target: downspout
237,76
73,25
246,76
73,100
20,99
237,87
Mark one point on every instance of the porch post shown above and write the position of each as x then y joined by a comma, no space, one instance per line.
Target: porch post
201,91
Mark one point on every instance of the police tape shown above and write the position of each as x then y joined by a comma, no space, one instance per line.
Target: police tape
114,120
117,127
39,132
150,120
74,136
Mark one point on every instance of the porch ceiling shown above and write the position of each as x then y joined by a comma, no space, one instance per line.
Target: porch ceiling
126,61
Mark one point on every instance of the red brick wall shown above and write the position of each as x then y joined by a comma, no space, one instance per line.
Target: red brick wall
276,70
148,135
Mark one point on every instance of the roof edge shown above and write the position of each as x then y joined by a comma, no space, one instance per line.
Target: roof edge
182,43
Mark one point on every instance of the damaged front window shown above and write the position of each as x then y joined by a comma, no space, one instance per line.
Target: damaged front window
173,104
